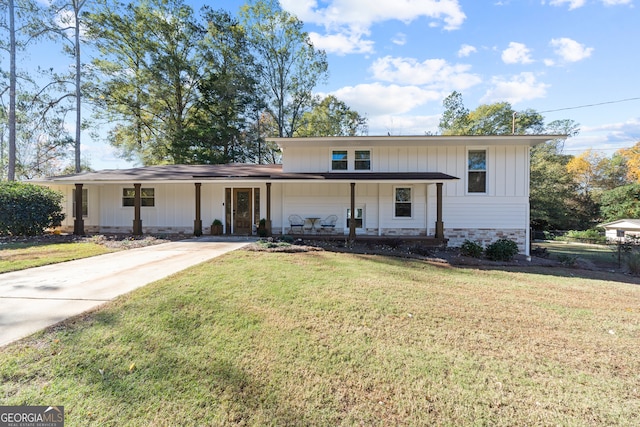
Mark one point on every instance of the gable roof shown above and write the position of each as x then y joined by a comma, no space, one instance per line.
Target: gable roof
623,224
236,172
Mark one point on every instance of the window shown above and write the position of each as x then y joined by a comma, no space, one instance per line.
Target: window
477,171
339,161
363,160
147,197
357,219
85,203
402,208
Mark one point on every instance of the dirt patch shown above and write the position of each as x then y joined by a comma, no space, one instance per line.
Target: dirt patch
112,241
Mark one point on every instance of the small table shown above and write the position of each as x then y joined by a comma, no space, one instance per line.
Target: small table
313,220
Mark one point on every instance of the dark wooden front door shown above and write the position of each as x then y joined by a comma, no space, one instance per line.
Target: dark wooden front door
242,211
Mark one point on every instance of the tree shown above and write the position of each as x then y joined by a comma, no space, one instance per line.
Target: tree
331,117
26,23
218,131
150,67
488,119
632,160
622,202
67,14
28,209
289,67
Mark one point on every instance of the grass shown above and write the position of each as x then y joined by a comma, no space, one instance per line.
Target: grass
18,256
599,254
317,339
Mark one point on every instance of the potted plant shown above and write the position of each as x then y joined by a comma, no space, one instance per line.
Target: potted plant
262,228
216,227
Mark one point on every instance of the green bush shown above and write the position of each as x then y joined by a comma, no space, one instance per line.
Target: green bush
502,250
471,249
28,209
633,263
586,236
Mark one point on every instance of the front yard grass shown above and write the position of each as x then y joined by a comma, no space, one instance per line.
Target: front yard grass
319,338
18,256
601,255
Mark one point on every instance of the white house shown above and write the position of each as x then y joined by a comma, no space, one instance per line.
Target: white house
622,228
449,188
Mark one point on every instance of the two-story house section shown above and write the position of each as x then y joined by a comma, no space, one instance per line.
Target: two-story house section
448,188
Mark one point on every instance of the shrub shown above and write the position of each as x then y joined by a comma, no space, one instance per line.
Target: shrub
568,260
471,249
633,263
502,250
28,209
587,236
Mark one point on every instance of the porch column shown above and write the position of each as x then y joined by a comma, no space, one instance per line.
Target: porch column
352,216
439,223
268,218
197,223
78,222
137,203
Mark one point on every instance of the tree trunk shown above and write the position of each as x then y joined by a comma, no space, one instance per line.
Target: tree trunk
11,172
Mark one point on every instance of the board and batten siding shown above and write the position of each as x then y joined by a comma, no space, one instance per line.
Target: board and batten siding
507,166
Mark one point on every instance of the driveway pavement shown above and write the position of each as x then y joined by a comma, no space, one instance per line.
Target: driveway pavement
32,299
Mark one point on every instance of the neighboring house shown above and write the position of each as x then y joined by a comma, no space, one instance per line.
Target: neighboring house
622,228
443,187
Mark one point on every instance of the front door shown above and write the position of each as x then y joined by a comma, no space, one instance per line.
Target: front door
242,211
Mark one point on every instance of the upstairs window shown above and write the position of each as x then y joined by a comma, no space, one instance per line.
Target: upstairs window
477,171
363,160
402,205
339,160
147,197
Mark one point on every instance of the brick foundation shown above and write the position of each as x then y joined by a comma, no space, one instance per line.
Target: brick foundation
485,236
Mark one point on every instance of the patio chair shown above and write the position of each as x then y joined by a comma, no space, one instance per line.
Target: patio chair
296,221
329,223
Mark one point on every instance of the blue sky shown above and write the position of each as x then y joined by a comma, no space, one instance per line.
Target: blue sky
396,60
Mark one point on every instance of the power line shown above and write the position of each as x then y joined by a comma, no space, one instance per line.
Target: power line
592,105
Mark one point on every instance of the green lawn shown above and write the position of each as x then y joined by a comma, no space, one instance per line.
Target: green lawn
601,255
18,256
325,339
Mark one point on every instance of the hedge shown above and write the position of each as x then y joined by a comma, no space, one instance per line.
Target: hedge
28,209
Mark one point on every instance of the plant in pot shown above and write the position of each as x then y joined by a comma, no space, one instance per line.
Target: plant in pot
216,227
262,228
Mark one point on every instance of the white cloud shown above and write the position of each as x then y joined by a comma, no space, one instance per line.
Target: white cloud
522,87
378,99
616,2
352,19
431,72
573,4
400,39
466,50
341,44
570,50
516,53
402,125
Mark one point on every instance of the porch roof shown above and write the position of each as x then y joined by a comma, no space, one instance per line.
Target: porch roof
235,172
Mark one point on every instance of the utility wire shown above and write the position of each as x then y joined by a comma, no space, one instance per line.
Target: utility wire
591,105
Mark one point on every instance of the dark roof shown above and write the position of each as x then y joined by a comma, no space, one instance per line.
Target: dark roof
238,171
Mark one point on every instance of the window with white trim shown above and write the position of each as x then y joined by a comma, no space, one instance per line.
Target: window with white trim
339,160
403,202
362,160
85,203
147,197
477,171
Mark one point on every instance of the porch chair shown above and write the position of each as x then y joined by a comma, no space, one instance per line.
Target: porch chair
329,223
296,221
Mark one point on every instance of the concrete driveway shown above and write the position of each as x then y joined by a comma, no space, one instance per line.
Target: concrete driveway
32,299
